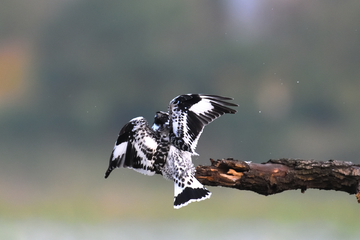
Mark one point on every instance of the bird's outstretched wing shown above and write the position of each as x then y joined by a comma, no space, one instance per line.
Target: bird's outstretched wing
190,113
135,148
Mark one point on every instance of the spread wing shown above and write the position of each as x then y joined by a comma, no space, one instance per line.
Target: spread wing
135,148
190,113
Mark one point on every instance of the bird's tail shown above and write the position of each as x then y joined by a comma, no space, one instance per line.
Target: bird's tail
190,191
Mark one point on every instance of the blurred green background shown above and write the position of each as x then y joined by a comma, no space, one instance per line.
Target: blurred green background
72,73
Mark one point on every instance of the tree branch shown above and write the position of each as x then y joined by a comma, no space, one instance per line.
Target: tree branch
279,175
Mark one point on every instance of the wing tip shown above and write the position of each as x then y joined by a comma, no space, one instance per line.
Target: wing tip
107,173
220,99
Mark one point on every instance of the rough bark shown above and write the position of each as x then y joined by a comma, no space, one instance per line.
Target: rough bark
279,175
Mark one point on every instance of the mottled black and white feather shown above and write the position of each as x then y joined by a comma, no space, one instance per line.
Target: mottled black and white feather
167,146
138,148
180,169
190,113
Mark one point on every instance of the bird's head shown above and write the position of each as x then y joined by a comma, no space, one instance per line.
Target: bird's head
160,120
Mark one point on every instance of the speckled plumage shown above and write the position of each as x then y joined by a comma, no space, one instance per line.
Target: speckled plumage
167,146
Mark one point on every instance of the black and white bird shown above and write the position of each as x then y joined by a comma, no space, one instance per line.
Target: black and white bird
166,147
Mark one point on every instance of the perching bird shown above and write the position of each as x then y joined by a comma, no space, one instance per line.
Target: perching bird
166,147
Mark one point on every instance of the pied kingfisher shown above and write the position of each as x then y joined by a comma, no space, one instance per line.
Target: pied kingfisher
166,147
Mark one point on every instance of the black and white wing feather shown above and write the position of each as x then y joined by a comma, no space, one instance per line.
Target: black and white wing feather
190,113
135,148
